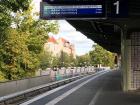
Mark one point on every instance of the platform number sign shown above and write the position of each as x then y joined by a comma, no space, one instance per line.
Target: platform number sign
119,8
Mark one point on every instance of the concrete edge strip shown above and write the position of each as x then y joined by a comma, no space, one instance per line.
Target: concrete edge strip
61,97
94,99
56,89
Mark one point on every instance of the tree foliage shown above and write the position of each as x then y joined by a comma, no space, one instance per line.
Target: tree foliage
66,60
22,39
83,60
101,56
7,7
47,60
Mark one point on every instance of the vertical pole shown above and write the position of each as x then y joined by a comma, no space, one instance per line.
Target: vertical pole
125,59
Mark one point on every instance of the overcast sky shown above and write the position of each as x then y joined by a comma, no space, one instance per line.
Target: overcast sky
82,43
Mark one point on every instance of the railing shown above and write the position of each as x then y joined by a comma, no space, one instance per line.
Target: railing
65,71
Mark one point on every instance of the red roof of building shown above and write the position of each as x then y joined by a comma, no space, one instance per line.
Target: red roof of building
52,39
64,40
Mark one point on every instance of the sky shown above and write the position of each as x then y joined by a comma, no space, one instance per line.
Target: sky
82,44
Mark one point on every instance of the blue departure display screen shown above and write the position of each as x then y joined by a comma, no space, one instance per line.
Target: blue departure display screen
72,11
94,9
69,2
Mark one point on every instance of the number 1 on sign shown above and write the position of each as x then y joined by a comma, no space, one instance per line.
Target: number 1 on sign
117,4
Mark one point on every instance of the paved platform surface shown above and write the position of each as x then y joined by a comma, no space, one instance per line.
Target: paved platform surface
101,89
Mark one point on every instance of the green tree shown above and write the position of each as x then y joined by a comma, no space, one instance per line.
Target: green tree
18,61
101,56
7,7
47,60
83,60
66,60
23,44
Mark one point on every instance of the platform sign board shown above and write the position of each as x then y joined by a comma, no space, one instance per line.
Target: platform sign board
74,2
119,9
94,11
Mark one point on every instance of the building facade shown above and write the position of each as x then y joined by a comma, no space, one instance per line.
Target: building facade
57,46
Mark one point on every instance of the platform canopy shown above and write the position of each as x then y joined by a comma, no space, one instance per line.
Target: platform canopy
105,30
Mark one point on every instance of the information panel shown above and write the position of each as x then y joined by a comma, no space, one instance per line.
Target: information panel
96,11
69,2
119,9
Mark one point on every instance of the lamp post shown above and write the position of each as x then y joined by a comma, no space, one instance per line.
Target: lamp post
85,66
62,64
80,67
